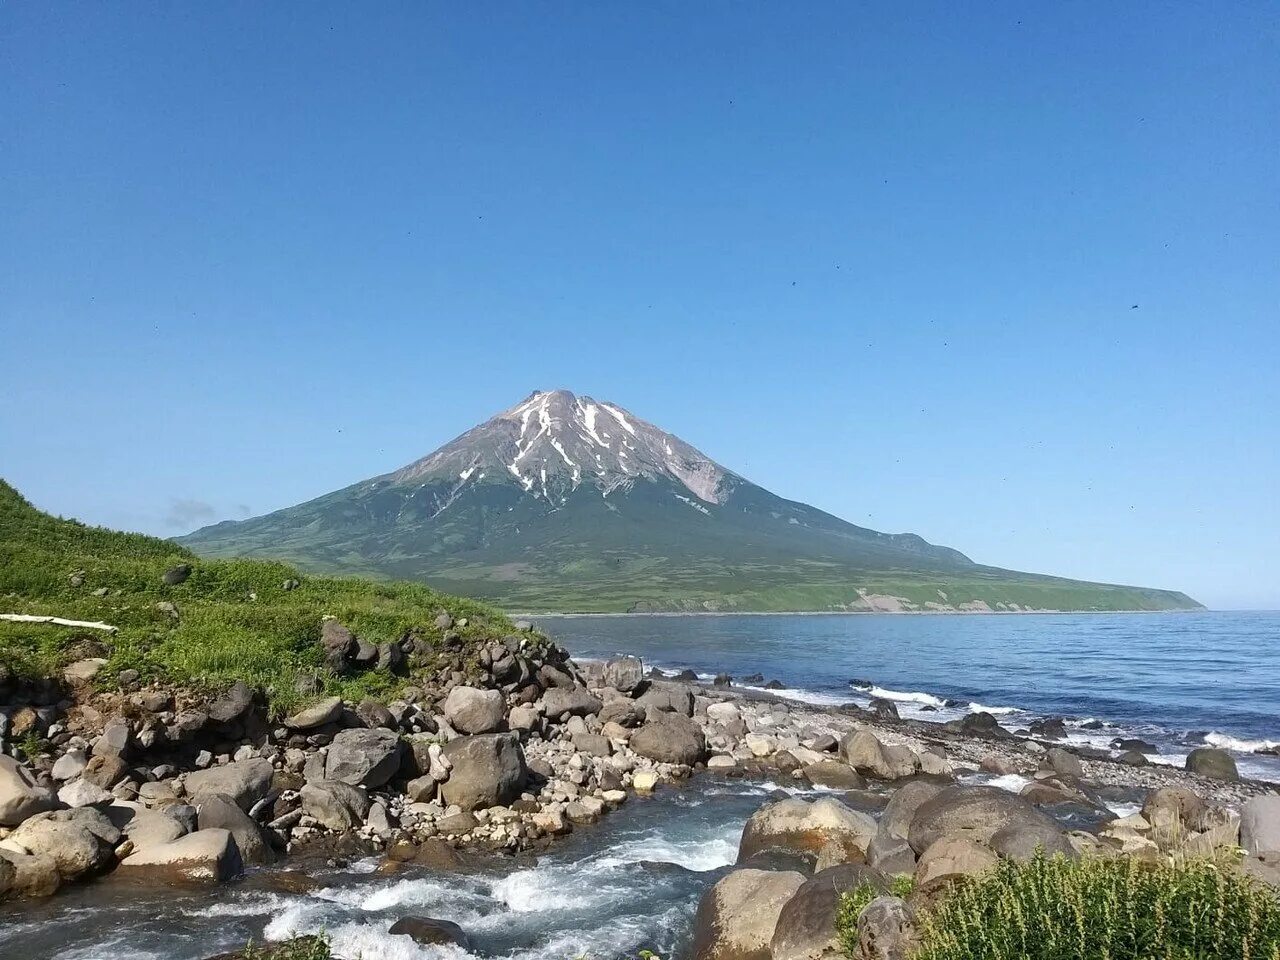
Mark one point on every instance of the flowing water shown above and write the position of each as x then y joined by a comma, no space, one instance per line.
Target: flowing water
632,881
1177,680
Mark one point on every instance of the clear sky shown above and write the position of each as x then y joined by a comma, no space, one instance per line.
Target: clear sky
1006,275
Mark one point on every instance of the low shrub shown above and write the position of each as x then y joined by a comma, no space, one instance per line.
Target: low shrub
1104,909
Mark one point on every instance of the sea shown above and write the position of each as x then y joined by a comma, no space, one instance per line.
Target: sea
632,882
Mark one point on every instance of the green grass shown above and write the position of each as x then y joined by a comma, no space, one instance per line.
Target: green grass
236,619
1101,909
295,948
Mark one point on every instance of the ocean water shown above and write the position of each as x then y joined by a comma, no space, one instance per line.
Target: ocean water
1178,680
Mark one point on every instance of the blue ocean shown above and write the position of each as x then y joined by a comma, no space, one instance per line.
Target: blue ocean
1178,680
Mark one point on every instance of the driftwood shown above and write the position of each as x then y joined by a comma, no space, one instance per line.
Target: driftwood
58,621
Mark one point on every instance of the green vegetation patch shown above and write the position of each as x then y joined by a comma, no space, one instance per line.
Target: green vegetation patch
253,620
1117,909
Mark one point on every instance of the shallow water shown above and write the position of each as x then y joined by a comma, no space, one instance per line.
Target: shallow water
1179,680
628,883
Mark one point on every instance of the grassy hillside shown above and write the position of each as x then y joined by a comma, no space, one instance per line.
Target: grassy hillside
236,620
648,550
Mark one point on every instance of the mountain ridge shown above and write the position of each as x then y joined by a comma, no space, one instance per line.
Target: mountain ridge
565,502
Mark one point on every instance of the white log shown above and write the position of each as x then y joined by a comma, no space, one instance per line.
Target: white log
59,621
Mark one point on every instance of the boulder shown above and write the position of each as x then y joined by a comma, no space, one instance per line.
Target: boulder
318,714
221,813
1260,827
80,842
82,793
950,858
176,575
69,766
866,754
1064,763
834,774
670,738
1024,841
1212,762
1175,811
487,770
374,713
429,932
150,827
561,702
338,806
806,927
471,710
625,713
105,771
668,698
32,876
887,930
890,855
245,781
363,757
797,825
206,855
20,795
906,800
736,918
233,704
974,813
624,673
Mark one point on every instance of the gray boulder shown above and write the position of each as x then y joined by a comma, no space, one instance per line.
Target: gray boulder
975,813
865,753
429,932
80,842
1019,841
561,702
901,809
222,813
203,856
338,806
245,781
737,917
1260,827
471,710
363,757
887,930
668,697
670,738
487,770
31,876
318,714
1212,762
233,704
806,927
624,673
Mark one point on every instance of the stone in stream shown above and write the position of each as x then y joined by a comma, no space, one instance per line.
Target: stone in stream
429,932
217,812
206,855
797,825
80,842
736,918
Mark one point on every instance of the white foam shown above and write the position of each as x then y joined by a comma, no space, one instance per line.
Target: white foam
1124,809
911,696
995,711
1012,782
1226,742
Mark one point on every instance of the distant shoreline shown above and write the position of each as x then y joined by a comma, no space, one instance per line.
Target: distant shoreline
863,613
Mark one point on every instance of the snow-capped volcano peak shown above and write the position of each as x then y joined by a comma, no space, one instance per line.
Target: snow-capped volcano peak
554,442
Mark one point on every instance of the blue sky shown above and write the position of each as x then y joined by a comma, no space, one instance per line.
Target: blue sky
1006,275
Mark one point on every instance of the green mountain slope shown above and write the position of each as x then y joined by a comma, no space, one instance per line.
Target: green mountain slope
258,621
563,503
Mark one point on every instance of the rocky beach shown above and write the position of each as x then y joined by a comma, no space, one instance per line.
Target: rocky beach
503,748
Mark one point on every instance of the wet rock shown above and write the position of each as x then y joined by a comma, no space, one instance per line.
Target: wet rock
736,918
205,856
29,875
883,709
429,932
982,724
796,824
